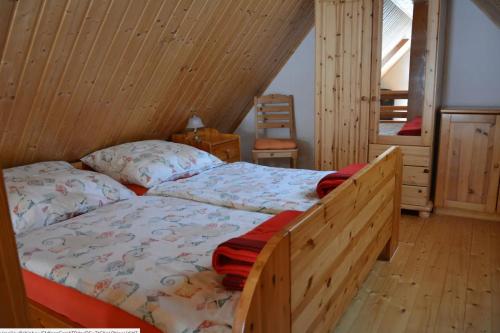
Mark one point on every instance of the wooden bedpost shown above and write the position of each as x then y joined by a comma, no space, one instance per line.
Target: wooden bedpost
12,294
264,305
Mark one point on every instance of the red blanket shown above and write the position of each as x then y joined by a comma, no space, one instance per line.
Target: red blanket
335,179
235,257
413,127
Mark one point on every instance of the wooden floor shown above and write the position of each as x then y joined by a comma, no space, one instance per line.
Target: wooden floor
445,277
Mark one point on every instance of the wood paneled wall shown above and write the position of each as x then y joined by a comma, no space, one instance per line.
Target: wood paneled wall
78,75
343,65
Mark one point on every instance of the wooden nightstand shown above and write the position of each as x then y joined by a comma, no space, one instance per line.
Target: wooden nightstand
224,146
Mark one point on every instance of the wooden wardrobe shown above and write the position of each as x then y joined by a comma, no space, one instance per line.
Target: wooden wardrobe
468,176
348,76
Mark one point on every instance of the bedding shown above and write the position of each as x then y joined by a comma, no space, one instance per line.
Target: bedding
39,168
334,180
151,162
47,193
149,256
82,309
236,256
248,187
412,127
389,129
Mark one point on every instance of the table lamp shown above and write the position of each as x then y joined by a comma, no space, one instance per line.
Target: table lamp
194,123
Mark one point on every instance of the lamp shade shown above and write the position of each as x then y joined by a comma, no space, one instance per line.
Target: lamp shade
194,122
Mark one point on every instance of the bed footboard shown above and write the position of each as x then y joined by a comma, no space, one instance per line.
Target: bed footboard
306,276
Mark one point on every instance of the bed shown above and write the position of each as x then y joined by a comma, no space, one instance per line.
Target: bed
149,256
307,274
248,187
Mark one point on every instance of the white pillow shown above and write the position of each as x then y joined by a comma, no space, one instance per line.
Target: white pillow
149,163
49,194
37,169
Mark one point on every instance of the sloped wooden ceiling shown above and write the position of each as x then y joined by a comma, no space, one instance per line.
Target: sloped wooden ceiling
78,75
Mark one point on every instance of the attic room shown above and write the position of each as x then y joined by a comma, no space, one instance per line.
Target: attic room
250,166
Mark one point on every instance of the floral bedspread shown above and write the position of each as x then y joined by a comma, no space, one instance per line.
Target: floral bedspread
150,256
248,187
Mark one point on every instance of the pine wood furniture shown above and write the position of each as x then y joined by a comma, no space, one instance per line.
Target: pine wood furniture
306,275
224,146
468,176
275,112
348,52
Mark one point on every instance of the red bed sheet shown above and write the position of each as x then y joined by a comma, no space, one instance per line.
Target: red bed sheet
85,310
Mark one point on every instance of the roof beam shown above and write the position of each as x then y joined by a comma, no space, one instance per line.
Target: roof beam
395,55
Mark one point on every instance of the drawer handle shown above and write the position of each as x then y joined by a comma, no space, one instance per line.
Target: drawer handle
496,165
426,170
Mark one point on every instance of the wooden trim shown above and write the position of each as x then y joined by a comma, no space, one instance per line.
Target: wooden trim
331,248
467,214
433,72
442,161
43,317
471,111
264,304
376,56
12,293
393,94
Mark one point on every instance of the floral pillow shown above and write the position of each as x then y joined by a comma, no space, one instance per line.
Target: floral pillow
41,195
149,163
37,169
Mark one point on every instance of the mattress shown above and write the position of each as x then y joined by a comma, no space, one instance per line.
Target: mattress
389,128
249,187
148,256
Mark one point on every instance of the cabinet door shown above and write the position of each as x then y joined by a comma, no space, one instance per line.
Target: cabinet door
469,158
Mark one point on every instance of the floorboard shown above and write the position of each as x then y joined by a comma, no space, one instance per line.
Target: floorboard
445,277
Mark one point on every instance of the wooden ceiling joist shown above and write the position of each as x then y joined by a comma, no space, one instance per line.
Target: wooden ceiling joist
76,76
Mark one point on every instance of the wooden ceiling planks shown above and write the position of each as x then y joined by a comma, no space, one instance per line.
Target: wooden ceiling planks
79,75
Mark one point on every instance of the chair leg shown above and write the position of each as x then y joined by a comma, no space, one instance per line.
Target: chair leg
294,162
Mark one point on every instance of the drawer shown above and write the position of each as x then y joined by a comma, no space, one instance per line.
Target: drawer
415,175
228,151
415,195
412,155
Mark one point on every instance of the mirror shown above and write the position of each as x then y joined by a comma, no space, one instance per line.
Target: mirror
402,72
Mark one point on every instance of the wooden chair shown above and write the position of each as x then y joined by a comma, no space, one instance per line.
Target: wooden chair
274,111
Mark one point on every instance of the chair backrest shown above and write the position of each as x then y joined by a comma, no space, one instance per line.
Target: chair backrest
274,111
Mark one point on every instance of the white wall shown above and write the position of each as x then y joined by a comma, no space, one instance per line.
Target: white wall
472,61
295,78
397,77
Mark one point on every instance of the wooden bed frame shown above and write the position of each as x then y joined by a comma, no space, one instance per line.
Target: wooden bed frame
306,276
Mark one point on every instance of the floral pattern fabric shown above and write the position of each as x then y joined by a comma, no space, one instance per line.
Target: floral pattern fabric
148,163
37,169
41,195
150,256
249,187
